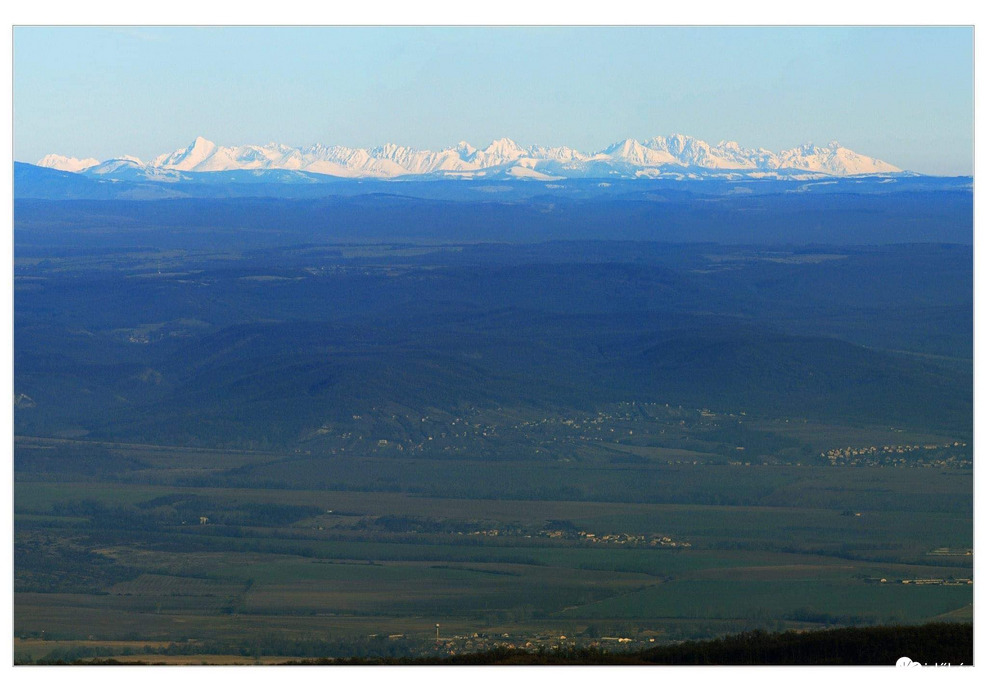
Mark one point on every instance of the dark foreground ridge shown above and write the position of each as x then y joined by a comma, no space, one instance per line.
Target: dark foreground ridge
931,644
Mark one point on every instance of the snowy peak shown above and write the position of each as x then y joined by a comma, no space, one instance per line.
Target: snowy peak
66,163
834,159
188,158
634,152
504,149
465,150
674,155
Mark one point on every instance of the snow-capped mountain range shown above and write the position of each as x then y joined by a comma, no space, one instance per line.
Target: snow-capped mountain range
677,156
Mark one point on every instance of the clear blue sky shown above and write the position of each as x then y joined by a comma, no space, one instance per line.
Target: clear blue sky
904,95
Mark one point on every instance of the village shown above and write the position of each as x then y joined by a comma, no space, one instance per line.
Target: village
562,531
652,540
948,581
947,455
487,432
477,642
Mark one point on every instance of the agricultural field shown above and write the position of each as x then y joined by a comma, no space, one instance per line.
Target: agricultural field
159,568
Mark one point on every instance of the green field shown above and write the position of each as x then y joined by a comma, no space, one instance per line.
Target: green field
348,572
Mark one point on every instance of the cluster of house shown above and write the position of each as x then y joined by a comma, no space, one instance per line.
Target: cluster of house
948,581
947,454
654,540
481,641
